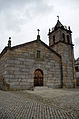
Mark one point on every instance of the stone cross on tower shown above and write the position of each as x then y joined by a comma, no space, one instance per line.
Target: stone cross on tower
58,17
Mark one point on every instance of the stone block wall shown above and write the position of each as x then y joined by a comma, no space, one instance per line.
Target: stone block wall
3,64
66,51
22,62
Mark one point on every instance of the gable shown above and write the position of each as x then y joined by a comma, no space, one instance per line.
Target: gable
36,44
31,48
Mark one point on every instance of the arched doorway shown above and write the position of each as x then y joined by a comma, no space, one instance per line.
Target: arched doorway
38,78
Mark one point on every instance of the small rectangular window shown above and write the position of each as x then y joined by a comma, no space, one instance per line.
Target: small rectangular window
63,36
54,38
38,54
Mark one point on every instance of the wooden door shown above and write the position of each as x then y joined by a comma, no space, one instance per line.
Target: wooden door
38,78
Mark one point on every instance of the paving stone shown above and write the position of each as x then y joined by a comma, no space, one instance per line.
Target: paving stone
33,105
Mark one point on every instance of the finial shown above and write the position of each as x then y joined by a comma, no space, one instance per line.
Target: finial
9,38
58,17
49,30
38,36
69,28
9,42
38,31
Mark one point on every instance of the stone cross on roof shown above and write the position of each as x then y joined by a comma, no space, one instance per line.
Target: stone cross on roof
38,31
38,36
9,42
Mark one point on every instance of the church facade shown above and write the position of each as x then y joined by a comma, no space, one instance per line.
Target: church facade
37,64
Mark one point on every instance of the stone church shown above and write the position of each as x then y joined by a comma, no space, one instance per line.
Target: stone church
36,64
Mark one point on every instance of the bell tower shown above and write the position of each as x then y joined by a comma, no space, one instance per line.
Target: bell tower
60,40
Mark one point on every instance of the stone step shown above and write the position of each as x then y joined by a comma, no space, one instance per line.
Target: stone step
40,88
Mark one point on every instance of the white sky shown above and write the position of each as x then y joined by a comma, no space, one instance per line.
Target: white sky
20,20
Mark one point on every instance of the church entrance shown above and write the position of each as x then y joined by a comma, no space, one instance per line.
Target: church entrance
38,78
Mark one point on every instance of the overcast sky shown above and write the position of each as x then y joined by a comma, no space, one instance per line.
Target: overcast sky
20,20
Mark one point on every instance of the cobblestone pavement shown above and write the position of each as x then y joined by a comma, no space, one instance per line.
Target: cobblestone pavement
48,104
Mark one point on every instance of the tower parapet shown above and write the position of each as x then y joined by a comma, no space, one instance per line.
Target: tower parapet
60,33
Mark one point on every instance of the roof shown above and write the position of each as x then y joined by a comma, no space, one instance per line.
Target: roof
21,45
50,48
3,51
59,26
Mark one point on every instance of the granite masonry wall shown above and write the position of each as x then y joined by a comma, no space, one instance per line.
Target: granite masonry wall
66,51
21,63
3,66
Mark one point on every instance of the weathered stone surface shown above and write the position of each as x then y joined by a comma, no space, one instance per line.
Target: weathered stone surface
20,69
67,63
60,39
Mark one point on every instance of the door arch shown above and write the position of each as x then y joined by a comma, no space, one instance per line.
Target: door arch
38,77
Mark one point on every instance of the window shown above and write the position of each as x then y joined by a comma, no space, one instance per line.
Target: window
63,35
68,38
38,54
54,39
76,68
